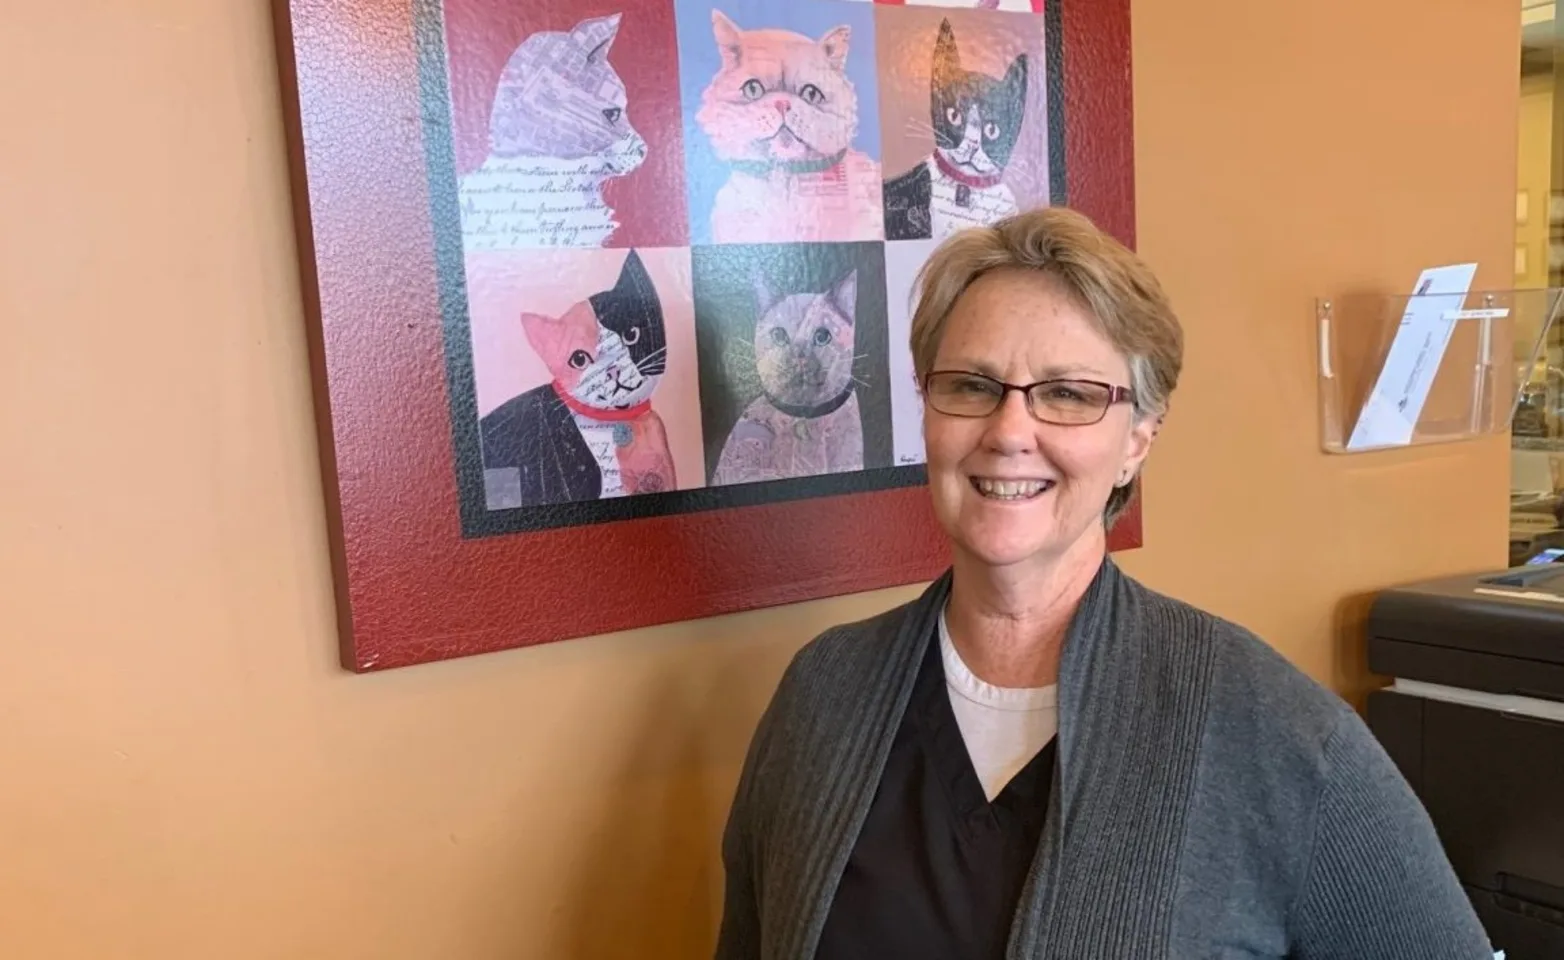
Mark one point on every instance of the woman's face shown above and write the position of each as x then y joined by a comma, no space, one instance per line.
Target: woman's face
1021,327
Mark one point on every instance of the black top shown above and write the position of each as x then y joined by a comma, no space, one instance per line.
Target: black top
937,871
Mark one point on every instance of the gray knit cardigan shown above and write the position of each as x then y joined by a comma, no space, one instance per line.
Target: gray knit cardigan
1210,801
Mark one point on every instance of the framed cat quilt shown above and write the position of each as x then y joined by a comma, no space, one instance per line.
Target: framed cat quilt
609,299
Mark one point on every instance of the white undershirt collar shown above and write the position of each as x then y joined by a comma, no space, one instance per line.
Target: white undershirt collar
969,686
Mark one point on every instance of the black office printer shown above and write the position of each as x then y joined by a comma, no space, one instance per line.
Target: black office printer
1475,721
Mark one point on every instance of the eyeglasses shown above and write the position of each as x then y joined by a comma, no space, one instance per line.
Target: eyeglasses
1074,403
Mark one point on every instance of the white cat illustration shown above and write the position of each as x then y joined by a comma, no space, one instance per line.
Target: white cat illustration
781,113
557,132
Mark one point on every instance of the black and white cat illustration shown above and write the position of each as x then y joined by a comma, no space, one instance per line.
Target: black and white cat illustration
591,432
976,119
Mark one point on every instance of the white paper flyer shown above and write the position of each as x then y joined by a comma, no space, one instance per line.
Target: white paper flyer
1391,413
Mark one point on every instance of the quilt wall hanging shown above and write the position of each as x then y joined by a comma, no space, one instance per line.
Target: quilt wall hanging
609,299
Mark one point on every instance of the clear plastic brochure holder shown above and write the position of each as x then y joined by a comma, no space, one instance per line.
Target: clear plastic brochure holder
1399,371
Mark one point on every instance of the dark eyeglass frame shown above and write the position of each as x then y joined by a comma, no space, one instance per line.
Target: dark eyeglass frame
1116,395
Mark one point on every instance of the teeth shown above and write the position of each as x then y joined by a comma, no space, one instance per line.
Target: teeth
1012,489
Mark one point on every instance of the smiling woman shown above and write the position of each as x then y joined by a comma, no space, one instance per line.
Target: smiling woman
1040,756
1073,467
1108,315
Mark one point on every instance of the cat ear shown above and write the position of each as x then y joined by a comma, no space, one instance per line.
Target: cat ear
1015,81
730,39
947,59
597,35
633,278
764,299
834,46
845,295
635,287
541,331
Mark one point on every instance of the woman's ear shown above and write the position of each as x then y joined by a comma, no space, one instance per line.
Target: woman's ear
1143,433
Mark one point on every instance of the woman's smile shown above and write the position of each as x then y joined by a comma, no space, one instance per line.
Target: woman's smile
1010,491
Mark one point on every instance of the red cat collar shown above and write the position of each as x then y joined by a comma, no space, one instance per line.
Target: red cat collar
972,180
598,413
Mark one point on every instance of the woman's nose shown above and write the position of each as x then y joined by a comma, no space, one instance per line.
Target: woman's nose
1011,428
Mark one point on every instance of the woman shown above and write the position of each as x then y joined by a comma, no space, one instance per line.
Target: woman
1040,757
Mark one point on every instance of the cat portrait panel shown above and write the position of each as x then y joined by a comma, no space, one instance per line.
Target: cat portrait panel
902,263
963,101
1023,6
565,123
781,121
793,351
584,365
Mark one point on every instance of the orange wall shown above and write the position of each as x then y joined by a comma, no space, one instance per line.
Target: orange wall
185,772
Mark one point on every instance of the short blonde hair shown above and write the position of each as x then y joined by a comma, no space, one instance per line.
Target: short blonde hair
1116,288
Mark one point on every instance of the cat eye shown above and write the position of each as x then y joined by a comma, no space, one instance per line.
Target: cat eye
612,114
822,336
779,336
954,117
990,131
632,336
580,359
811,94
1073,403
753,89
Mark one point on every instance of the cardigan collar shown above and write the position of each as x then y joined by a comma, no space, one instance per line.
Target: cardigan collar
837,832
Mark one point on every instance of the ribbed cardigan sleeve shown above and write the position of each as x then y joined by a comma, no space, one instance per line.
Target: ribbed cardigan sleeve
738,937
739,934
1378,883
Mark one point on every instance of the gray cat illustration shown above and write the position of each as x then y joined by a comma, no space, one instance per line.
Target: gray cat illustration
807,421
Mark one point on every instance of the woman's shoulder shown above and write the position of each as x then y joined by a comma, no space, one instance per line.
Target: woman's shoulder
844,655
1255,692
1265,723
827,703
1296,816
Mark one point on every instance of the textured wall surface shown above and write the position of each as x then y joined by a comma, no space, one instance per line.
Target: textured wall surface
187,773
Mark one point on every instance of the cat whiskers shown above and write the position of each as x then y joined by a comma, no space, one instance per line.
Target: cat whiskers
649,359
836,364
